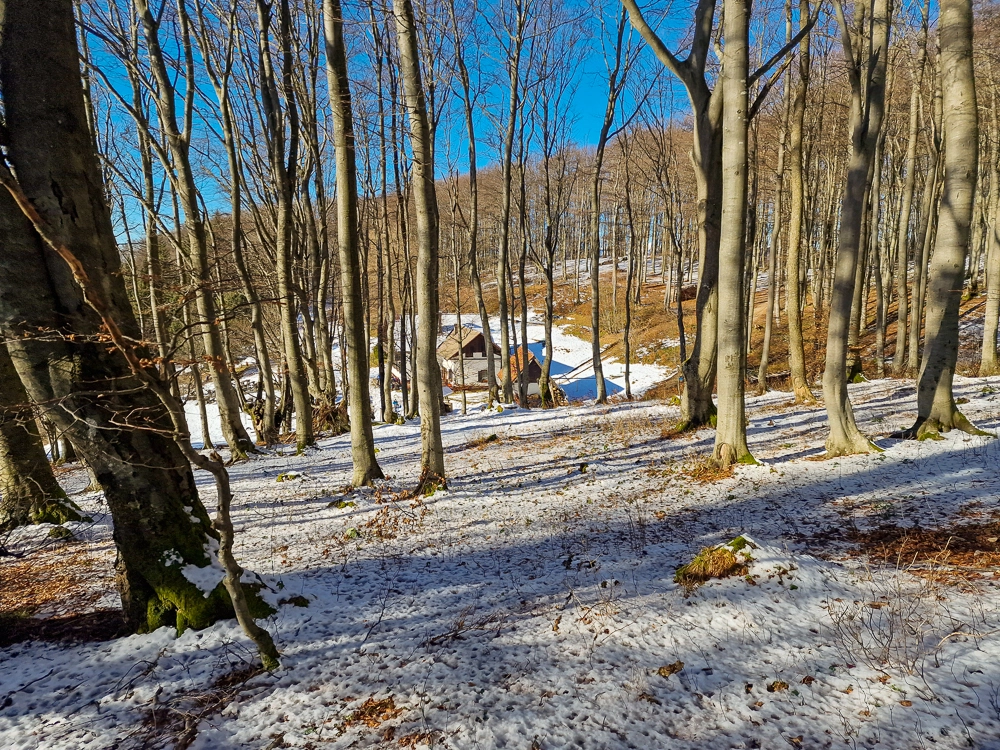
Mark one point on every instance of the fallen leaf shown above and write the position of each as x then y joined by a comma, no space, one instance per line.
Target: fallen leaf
777,686
668,669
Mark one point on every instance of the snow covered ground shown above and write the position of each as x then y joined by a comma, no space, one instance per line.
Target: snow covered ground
532,604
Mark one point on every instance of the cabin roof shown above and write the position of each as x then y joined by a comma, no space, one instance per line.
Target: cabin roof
448,349
517,359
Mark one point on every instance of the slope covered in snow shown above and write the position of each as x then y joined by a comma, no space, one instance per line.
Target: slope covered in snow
533,603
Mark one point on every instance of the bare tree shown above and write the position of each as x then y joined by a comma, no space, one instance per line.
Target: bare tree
366,467
29,492
903,243
730,434
425,198
180,170
468,109
866,56
936,409
275,88
793,268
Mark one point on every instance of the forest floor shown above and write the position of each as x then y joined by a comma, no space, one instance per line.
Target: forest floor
533,603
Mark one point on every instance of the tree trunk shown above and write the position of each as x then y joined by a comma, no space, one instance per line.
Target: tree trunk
366,468
903,243
425,199
772,275
793,289
936,409
617,73
477,286
514,77
867,104
182,177
283,173
989,364
160,525
730,434
29,492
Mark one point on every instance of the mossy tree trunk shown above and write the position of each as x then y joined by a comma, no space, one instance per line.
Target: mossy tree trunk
29,492
120,428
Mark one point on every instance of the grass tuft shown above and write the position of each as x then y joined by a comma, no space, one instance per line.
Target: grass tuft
722,561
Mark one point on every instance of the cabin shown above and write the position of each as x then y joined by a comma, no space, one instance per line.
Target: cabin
533,371
472,345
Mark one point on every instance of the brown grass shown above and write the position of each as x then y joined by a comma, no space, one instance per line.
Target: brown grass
955,554
709,563
482,441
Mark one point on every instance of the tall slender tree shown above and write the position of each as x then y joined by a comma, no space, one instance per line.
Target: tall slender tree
366,468
936,408
866,55
426,210
730,434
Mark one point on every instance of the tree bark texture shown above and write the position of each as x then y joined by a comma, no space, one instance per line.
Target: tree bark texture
793,289
56,339
730,434
366,467
425,200
936,409
29,492
867,104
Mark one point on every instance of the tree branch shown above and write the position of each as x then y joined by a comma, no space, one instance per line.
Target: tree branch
792,44
664,55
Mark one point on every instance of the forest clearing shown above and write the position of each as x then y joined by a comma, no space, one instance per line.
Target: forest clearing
534,600
499,374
